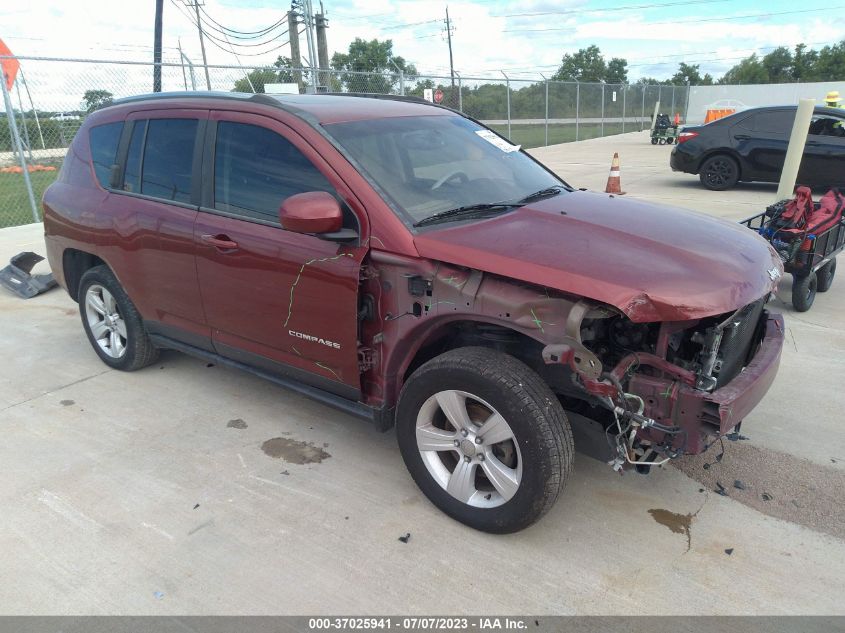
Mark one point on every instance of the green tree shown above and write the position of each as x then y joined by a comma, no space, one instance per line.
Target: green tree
804,63
830,65
95,99
749,71
372,56
779,65
617,71
586,65
690,74
280,72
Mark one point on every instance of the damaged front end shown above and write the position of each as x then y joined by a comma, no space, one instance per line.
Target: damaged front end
671,388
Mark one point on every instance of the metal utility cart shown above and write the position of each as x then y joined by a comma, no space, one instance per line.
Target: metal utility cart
812,266
664,131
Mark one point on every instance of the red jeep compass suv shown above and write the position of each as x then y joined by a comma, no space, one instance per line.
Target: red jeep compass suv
403,263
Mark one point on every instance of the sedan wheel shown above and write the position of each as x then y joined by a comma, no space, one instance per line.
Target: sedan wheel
719,173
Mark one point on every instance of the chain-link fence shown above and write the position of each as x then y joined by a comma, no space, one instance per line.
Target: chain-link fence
51,98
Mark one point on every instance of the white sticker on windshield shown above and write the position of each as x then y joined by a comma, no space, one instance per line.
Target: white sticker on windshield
498,141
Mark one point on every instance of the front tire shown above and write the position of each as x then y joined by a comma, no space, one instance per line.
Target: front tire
804,291
719,173
484,438
112,322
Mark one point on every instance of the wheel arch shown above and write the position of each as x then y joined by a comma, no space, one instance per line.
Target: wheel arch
75,263
722,151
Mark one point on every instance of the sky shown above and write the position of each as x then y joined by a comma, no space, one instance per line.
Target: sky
524,39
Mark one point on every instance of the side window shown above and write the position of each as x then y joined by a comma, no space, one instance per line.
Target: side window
168,159
104,140
132,171
777,122
256,169
823,125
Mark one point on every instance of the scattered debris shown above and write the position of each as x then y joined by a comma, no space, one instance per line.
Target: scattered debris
209,364
293,451
345,518
158,595
405,538
284,472
196,506
736,437
766,496
720,490
66,403
739,485
729,551
488,495
237,423
18,277
701,489
706,466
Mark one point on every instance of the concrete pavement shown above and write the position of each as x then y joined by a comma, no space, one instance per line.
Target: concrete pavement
149,493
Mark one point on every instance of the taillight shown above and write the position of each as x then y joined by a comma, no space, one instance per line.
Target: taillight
683,137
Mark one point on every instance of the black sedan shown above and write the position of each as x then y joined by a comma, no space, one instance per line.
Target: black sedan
751,145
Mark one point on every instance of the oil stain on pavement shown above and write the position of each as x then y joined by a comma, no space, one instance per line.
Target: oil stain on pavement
236,424
678,523
294,451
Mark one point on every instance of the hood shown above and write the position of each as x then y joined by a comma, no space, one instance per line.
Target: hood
652,262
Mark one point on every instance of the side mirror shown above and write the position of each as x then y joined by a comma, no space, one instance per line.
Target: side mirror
311,212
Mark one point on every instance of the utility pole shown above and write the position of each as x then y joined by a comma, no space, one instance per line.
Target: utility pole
308,17
295,56
322,49
157,47
449,38
196,5
182,62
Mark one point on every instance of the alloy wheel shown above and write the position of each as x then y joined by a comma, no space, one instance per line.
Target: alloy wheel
105,321
469,449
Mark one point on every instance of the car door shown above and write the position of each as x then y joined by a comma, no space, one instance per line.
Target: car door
283,301
824,155
762,138
153,211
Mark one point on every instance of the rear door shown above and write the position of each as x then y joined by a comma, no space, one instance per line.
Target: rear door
153,210
286,302
762,138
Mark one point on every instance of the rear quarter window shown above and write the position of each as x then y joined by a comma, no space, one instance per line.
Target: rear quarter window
103,140
776,122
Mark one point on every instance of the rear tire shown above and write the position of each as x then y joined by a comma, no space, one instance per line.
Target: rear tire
719,173
112,322
825,276
804,291
506,465
653,140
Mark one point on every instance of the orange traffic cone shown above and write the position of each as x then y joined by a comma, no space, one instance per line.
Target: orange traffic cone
614,183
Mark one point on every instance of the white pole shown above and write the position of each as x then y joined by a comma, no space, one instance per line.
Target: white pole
795,150
16,141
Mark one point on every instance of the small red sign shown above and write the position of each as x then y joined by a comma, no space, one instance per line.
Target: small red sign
438,95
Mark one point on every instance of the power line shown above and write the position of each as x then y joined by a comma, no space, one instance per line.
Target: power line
244,34
630,7
215,41
226,41
692,21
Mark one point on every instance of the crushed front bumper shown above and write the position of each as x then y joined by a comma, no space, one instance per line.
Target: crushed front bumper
706,415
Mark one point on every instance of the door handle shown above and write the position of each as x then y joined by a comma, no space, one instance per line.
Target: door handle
220,241
742,137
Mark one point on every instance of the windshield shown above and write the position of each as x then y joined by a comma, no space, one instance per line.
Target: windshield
431,164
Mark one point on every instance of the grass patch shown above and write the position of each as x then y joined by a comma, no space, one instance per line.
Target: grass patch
535,135
14,201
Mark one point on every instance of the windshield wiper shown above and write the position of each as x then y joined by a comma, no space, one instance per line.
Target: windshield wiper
468,211
548,192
